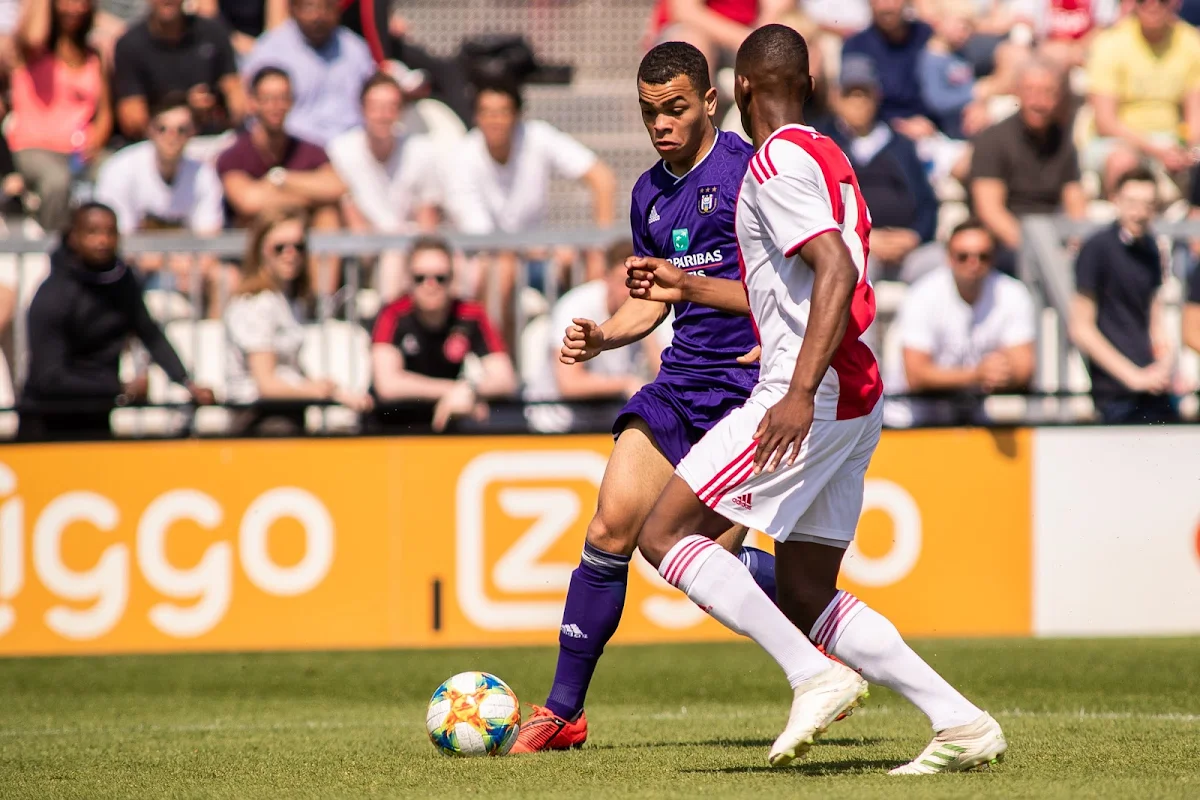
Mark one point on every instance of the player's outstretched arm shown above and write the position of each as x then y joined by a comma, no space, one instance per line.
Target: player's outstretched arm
660,280
584,339
786,424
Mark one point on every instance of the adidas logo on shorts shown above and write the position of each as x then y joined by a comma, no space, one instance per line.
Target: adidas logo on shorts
573,631
743,501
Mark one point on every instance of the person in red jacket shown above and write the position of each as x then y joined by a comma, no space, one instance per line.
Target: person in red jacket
716,27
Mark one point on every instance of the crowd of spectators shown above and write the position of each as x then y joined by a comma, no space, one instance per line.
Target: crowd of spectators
286,116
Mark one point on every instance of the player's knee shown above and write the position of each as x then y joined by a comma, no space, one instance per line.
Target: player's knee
612,535
654,543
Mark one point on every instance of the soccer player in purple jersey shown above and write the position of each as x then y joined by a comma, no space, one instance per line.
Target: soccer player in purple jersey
683,211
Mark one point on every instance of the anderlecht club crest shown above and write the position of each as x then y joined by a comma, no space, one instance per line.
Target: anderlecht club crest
708,200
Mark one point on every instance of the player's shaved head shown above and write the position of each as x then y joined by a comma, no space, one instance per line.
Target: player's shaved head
669,60
772,80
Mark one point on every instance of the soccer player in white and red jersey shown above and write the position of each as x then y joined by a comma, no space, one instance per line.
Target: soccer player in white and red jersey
792,461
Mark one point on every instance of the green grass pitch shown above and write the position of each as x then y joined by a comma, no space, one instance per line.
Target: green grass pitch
1084,718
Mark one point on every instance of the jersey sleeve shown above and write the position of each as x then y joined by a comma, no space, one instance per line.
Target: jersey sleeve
794,201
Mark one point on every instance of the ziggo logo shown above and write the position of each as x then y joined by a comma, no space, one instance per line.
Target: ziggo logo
208,586
556,513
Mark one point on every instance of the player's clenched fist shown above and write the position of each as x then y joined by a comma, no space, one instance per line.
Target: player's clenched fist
654,279
583,340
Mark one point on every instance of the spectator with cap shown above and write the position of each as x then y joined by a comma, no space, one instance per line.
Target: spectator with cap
422,346
1116,316
153,186
1144,85
327,64
903,205
964,328
392,174
61,117
1027,163
173,51
79,323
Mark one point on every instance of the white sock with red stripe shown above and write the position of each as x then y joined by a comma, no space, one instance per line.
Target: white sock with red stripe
869,643
719,583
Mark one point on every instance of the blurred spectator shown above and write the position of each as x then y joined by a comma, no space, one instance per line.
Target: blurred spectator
894,43
1027,163
267,169
500,181
173,51
503,168
10,13
1142,73
422,344
903,205
616,374
393,175
327,64
1116,314
963,328
61,117
264,331
79,323
246,19
956,99
152,185
1191,312
716,27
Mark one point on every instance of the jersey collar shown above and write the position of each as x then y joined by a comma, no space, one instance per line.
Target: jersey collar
695,166
789,126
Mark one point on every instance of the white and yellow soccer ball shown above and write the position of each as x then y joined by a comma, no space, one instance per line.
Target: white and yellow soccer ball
473,714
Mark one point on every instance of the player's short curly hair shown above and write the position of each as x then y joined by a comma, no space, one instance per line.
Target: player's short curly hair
669,60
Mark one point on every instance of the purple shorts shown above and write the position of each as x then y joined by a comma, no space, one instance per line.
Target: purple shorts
678,416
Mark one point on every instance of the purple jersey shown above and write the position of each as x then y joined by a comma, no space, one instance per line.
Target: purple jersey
690,222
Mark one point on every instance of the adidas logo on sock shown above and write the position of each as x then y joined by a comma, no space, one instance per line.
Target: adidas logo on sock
653,218
742,501
573,631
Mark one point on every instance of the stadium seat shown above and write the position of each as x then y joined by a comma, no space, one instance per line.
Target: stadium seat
341,352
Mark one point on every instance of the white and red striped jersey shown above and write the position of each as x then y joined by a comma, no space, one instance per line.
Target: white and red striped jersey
799,186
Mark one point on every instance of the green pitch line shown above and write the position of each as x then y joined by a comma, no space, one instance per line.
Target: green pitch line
1084,718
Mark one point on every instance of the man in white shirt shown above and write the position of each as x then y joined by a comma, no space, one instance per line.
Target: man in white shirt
504,165
392,176
965,328
500,183
153,185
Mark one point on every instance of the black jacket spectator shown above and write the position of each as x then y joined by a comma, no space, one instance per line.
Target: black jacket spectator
79,323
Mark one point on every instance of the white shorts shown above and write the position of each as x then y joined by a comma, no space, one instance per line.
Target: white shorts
818,499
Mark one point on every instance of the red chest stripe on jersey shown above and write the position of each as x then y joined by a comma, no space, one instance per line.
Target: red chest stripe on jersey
859,383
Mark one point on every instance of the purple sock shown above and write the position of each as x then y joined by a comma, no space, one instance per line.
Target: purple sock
595,601
762,566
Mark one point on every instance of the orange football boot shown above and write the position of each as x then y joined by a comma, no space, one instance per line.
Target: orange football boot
544,730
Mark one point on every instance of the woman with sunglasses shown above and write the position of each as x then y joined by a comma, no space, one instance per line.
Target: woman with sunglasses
265,334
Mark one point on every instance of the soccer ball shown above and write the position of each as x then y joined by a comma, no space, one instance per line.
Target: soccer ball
473,714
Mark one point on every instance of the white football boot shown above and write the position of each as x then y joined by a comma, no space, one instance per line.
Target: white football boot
959,749
815,705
